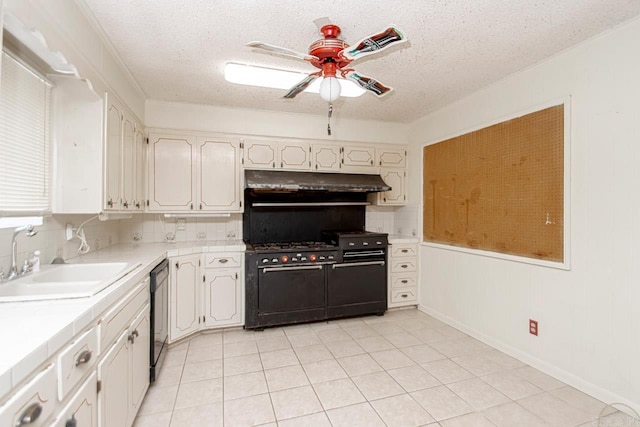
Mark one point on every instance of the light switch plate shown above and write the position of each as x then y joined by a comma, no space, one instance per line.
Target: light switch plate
181,224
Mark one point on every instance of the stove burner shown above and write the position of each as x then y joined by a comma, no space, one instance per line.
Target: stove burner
285,246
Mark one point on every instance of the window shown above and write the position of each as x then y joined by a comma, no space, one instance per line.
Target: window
24,140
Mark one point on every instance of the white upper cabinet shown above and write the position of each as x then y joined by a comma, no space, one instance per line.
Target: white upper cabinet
294,155
396,179
123,159
359,159
219,175
113,157
141,161
260,154
325,157
194,173
391,157
271,154
172,172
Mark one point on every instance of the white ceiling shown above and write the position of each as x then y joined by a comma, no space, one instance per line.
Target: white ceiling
176,49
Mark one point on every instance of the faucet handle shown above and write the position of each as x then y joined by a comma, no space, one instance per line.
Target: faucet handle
26,266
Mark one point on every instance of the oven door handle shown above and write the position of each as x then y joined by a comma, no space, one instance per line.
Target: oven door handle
302,267
358,264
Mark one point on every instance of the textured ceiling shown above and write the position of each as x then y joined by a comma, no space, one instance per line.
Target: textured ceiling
176,49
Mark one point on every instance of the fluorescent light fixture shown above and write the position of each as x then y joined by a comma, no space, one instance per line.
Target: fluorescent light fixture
281,79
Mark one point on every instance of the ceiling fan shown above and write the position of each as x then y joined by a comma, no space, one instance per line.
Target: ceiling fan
333,55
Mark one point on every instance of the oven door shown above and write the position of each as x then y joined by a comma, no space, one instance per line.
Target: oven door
355,288
291,293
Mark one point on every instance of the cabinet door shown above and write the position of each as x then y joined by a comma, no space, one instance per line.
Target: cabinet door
82,408
391,157
325,158
113,373
222,298
172,171
294,155
184,308
396,179
219,175
260,154
139,362
141,161
113,156
128,163
359,159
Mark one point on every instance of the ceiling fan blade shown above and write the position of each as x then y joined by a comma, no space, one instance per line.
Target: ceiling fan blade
375,43
369,83
301,85
282,51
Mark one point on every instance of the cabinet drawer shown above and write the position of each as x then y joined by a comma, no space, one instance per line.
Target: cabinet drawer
82,407
404,295
33,403
403,264
223,260
119,317
76,360
403,280
402,250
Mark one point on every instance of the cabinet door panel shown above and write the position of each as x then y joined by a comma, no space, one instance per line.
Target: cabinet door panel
128,163
359,156
395,178
171,173
391,157
113,373
139,361
219,175
113,156
222,298
294,156
141,161
83,407
184,309
260,154
326,158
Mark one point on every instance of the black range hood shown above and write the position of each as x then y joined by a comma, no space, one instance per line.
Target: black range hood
284,181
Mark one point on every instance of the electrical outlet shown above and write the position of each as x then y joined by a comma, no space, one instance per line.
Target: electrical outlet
533,327
181,224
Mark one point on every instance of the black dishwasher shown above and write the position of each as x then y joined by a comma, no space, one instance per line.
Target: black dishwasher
159,288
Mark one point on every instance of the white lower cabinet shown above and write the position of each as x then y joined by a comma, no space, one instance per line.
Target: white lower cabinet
33,403
124,374
403,289
184,296
222,298
207,297
82,409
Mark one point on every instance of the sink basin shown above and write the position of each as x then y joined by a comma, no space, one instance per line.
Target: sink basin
63,281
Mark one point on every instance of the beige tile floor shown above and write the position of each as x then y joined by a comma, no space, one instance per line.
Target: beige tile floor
403,369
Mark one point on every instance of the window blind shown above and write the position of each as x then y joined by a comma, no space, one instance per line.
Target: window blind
24,140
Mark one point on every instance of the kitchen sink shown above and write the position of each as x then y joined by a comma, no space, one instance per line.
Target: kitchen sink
62,281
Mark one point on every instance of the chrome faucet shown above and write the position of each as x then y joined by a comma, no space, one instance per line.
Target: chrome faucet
13,271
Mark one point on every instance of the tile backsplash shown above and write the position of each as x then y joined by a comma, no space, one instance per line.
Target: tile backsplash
156,228
51,240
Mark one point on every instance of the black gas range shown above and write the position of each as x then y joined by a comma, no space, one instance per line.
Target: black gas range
293,282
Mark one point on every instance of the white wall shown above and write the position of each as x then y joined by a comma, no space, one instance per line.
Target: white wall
589,316
175,115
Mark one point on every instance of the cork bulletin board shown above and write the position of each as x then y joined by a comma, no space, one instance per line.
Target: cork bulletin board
500,188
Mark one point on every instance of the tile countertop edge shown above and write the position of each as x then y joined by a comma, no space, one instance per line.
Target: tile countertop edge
399,238
76,314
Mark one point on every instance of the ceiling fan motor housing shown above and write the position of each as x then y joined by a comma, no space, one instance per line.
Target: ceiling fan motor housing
328,51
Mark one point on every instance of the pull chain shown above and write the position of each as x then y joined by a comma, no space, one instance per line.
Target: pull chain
329,119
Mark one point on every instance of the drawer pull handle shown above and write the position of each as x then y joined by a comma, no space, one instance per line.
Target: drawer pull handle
404,281
135,333
30,415
131,338
84,357
223,260
404,266
71,422
404,295
404,251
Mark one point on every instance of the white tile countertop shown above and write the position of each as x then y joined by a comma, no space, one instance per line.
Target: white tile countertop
31,332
